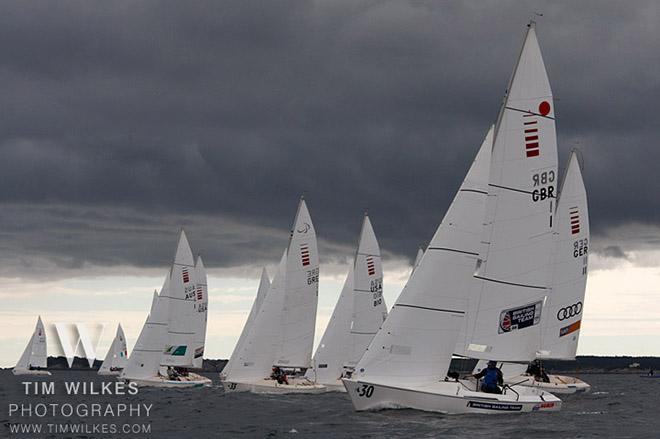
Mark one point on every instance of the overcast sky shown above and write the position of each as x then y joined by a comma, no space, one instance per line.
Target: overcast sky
123,121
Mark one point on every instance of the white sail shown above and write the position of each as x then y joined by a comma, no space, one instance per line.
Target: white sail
513,276
300,294
147,353
331,354
200,313
117,355
264,285
253,361
35,353
179,350
416,341
563,314
369,310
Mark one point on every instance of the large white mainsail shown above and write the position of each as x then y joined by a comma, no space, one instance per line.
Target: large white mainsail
200,313
416,341
301,284
116,358
179,350
513,275
358,315
369,310
264,285
282,334
35,353
563,313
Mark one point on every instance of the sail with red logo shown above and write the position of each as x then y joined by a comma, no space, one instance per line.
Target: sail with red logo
511,281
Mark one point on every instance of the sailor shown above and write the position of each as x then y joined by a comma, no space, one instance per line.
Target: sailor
537,370
493,378
279,375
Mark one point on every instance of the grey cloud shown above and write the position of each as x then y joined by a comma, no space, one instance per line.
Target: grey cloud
220,114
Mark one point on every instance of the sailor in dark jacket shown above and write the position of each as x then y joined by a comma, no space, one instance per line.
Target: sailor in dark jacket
492,378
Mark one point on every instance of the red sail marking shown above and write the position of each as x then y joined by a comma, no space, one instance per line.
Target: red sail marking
304,255
186,276
371,268
544,108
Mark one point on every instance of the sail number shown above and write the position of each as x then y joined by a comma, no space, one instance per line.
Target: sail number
313,276
580,247
543,187
365,391
231,386
376,288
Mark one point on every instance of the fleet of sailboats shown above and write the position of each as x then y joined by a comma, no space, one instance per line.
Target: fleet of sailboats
502,281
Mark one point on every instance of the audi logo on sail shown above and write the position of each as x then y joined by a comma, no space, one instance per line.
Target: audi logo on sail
569,311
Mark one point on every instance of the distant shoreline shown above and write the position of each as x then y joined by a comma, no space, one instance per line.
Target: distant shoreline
586,364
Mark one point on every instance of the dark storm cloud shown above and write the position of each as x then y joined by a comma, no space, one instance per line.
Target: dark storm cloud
614,251
223,113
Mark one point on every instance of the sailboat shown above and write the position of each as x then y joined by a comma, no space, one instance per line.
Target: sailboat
277,349
560,327
359,313
34,358
167,345
264,285
478,290
116,358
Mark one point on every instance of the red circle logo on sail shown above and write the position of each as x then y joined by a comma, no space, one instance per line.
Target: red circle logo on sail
544,108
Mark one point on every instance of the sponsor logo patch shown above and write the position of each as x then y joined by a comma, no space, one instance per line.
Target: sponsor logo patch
495,406
520,318
570,328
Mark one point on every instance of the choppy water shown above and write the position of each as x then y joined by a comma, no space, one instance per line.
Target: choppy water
620,406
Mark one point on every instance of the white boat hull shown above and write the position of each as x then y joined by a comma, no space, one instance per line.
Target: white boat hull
193,380
448,397
268,386
559,384
336,386
109,372
21,371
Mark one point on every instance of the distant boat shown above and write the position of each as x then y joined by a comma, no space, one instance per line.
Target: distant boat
480,283
359,313
117,356
34,358
279,340
171,343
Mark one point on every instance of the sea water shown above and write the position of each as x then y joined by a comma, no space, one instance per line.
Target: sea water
619,406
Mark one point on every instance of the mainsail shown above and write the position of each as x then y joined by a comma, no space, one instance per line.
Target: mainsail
264,285
35,353
117,355
418,258
200,313
179,350
415,343
358,315
282,332
563,313
301,283
512,277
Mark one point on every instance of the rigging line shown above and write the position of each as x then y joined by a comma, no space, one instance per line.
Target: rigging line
529,112
430,309
511,283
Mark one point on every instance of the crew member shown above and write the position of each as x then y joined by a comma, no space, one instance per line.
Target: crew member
492,377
